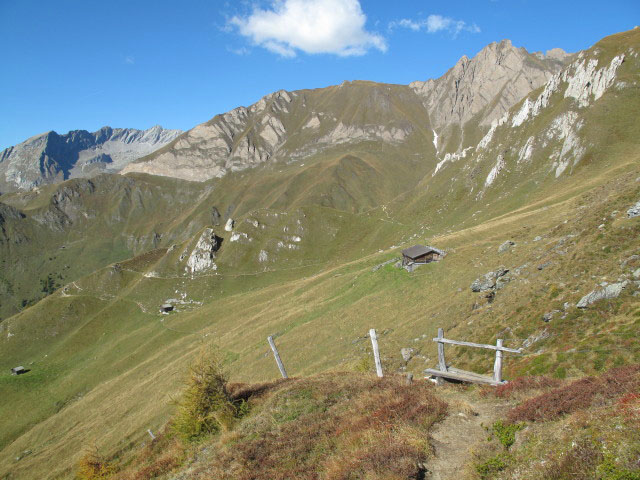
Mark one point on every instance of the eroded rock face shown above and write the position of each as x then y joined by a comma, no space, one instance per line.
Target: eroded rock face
204,253
472,84
51,158
581,80
348,133
233,141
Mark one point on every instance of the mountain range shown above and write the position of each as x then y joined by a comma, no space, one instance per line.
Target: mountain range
52,158
448,113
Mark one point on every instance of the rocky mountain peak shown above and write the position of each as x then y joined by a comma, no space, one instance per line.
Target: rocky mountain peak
500,74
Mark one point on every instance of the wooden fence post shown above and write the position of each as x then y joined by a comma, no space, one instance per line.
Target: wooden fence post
376,351
442,364
277,357
497,367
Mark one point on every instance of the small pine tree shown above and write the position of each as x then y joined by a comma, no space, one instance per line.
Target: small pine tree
93,466
205,406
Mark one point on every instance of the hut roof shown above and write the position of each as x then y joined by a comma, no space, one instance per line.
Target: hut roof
419,250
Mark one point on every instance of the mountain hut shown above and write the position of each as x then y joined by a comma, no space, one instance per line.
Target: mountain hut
419,255
18,370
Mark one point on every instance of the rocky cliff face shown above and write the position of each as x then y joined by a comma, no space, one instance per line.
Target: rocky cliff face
488,84
51,158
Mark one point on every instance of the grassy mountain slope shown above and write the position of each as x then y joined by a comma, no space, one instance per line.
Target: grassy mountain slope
105,363
69,230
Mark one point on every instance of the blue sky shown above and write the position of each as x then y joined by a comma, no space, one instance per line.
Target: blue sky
83,64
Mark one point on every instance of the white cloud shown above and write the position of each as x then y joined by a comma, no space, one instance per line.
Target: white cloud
310,26
129,60
436,23
239,51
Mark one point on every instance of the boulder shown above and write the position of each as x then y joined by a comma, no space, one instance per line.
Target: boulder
407,353
602,293
535,338
229,225
215,216
501,282
634,211
490,280
484,283
506,246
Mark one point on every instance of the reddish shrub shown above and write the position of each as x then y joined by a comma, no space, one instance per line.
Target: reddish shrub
522,384
629,405
578,395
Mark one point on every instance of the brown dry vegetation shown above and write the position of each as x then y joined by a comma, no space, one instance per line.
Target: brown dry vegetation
333,426
578,395
584,429
521,385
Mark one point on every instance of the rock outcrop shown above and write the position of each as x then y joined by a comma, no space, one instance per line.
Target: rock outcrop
204,253
604,292
490,281
51,158
506,246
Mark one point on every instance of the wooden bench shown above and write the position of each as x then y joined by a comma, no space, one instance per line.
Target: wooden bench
443,371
